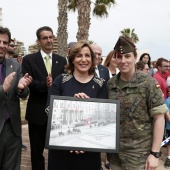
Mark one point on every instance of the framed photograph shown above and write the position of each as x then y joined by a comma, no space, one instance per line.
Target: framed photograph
83,124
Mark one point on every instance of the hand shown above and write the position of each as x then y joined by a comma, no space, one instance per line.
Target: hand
77,152
8,81
151,163
49,80
81,95
24,82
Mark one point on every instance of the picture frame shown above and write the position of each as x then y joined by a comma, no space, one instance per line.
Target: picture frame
83,124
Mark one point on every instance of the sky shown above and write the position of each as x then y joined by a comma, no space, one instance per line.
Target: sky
149,18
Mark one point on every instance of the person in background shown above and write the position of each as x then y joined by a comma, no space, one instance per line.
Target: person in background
161,75
10,50
100,60
70,44
11,55
43,66
101,71
140,65
13,85
154,67
110,63
145,57
81,77
167,127
163,66
142,112
19,58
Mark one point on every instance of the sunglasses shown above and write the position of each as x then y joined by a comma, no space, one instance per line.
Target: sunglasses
12,45
46,38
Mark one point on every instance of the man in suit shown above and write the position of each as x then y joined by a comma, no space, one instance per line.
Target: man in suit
101,71
36,65
12,86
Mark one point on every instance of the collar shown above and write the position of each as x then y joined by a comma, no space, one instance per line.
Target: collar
44,54
133,82
96,67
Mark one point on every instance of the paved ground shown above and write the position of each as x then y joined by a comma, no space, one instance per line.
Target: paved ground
25,159
26,163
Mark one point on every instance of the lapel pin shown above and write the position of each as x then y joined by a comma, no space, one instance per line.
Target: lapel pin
11,66
57,62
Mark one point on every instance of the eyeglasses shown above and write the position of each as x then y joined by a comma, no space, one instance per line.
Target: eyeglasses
147,69
98,54
4,42
46,38
165,66
11,45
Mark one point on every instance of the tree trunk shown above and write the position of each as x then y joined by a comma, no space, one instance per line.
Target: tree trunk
62,34
83,19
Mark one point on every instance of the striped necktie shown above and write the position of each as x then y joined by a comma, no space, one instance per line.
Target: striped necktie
48,64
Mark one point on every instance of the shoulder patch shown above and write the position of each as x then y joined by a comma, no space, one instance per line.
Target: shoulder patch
99,81
66,77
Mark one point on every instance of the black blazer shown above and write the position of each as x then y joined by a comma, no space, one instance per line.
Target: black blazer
33,64
103,72
9,102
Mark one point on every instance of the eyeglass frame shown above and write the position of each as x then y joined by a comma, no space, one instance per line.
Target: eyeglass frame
12,45
165,66
46,38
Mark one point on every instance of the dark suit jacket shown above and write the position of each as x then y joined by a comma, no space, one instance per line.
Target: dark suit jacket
10,102
103,72
34,65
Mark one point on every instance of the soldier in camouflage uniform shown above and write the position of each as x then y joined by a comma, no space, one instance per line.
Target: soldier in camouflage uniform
142,112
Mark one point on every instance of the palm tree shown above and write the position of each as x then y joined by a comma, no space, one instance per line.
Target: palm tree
91,42
84,9
62,34
131,34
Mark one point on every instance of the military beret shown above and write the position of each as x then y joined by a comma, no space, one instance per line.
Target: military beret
70,44
124,45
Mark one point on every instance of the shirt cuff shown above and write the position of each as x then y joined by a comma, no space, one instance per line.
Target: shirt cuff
162,109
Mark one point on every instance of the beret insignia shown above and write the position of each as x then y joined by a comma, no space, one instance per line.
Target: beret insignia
157,86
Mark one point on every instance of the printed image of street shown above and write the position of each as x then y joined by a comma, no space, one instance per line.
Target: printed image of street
83,124
90,137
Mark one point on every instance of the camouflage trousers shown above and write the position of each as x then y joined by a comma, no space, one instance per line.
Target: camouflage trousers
114,167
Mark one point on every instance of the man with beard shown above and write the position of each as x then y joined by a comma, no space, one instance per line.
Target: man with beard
10,50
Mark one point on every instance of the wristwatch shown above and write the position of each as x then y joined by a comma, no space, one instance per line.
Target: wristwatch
156,154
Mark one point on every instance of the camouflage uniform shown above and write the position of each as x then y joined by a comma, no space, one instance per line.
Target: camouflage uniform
140,99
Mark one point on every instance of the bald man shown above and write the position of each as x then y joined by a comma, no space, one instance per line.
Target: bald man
101,71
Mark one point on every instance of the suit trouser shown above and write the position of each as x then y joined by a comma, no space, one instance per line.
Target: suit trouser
37,134
10,148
